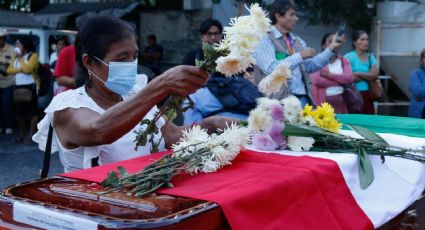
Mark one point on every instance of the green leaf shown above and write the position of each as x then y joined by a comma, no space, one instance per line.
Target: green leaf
304,131
122,171
111,181
368,134
366,175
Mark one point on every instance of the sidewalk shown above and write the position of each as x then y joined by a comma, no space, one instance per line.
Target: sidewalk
22,163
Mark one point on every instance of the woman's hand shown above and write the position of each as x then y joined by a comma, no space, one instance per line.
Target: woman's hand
183,80
324,72
213,123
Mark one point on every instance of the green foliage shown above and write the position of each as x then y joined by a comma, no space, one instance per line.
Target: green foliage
357,14
372,144
243,1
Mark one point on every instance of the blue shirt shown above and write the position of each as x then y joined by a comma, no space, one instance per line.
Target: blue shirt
205,104
358,65
265,56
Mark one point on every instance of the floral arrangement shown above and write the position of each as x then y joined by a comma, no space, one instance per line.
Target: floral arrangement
232,56
285,125
268,119
196,152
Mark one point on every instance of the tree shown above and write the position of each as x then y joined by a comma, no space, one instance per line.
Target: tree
357,14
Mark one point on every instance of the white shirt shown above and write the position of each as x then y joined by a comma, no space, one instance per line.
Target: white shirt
23,78
335,68
80,157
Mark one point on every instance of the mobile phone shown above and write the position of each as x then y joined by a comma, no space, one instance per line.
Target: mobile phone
341,30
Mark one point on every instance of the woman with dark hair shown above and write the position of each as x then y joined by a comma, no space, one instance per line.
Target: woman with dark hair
26,83
328,83
417,88
364,67
100,118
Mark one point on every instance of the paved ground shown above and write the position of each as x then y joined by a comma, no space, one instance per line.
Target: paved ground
21,163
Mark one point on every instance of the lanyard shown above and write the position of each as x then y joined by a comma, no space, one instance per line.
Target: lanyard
288,42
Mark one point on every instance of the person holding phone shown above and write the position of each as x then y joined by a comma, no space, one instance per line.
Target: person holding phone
281,44
329,82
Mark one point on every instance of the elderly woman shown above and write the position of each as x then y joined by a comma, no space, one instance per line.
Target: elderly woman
364,67
417,88
100,118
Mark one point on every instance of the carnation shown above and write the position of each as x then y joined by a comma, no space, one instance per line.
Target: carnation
292,109
275,132
262,141
259,119
276,111
299,144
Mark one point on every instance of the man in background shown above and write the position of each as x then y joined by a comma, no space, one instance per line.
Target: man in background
280,44
152,55
65,69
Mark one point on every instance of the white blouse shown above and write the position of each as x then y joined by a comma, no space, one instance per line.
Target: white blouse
23,78
80,157
335,68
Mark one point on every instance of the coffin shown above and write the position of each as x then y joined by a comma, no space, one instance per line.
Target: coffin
70,204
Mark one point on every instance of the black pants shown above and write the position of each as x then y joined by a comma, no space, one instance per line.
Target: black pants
423,113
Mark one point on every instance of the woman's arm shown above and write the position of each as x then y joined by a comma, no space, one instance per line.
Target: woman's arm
30,66
173,133
416,86
84,127
372,75
347,75
320,80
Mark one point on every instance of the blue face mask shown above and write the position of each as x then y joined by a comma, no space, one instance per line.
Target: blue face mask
121,76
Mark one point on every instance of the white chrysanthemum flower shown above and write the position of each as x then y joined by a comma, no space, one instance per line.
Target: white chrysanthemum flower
273,82
223,149
231,65
259,119
260,17
241,39
190,140
300,143
292,109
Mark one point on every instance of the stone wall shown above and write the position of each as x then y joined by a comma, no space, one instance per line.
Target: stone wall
176,31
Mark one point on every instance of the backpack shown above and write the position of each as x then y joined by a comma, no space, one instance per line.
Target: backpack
46,81
235,93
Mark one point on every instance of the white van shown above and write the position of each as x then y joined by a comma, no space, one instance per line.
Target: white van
45,41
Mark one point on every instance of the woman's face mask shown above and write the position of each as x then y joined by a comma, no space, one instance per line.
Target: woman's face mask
121,76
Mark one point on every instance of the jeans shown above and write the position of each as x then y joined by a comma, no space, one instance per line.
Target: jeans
6,100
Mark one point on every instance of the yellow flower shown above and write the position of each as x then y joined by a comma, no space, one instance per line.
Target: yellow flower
324,116
308,111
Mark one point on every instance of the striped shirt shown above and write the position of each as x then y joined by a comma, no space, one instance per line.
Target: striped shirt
265,56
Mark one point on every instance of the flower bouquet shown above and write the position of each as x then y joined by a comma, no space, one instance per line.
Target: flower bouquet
232,56
195,152
285,125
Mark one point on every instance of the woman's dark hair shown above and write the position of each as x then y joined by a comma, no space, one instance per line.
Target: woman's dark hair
421,62
280,7
206,25
325,37
94,38
27,43
357,34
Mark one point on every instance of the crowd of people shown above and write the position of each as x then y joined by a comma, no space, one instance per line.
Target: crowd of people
98,83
